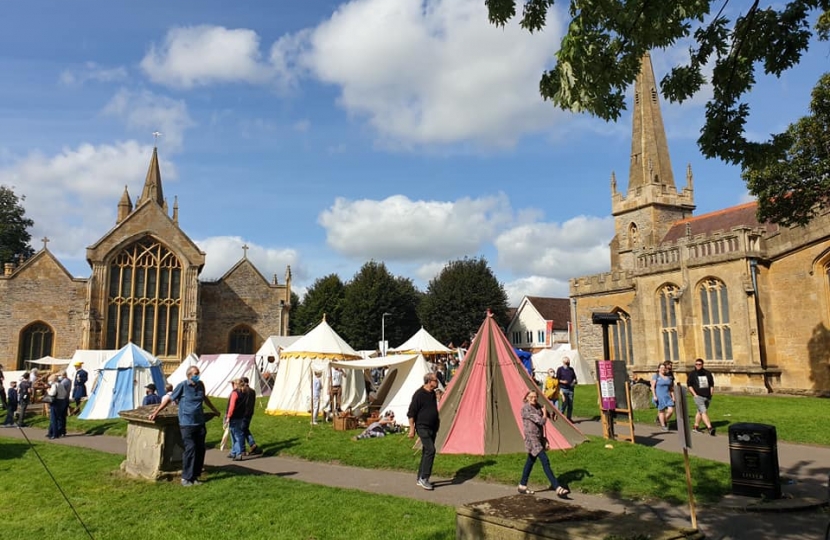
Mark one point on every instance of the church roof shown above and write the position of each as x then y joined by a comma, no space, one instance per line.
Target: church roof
557,310
743,215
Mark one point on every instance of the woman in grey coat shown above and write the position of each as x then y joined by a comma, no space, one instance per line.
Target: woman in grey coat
534,417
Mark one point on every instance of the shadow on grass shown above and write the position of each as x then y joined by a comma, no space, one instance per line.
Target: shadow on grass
14,450
101,428
574,476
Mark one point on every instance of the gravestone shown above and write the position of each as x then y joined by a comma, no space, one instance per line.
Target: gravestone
640,397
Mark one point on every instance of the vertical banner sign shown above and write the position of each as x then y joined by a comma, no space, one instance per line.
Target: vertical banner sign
608,395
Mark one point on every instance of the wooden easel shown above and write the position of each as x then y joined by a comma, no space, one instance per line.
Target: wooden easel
608,427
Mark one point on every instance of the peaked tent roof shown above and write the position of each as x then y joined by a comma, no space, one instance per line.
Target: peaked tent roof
218,370
119,383
481,410
322,343
422,342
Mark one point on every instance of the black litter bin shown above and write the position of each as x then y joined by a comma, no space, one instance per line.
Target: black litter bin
753,453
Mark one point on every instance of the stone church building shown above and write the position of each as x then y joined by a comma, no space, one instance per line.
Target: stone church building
144,288
752,299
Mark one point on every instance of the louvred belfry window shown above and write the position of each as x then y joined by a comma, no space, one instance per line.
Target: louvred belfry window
144,298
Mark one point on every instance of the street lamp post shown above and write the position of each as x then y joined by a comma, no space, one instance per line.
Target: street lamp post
383,333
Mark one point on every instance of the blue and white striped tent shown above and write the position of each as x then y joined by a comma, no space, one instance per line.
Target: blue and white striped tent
119,383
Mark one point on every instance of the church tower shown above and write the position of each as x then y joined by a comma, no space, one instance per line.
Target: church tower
652,203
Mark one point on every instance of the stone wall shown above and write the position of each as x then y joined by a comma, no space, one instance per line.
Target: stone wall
242,296
41,290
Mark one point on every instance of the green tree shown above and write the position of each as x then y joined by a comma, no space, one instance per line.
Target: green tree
324,297
372,292
605,40
789,188
457,299
295,306
14,227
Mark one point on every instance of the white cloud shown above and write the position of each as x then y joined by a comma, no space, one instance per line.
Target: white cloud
91,71
303,125
426,272
72,196
430,72
222,252
575,248
423,230
201,55
535,286
151,112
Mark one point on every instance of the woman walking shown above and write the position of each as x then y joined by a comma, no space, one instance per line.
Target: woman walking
534,417
662,387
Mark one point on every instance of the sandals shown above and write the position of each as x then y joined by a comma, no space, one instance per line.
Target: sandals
562,492
525,491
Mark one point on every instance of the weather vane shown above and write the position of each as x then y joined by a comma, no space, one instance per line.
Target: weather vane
156,135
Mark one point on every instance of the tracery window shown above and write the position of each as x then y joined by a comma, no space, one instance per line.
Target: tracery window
35,342
666,297
144,298
714,310
241,340
621,345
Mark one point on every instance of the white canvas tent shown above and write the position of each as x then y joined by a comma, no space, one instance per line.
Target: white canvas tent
271,349
92,361
546,359
217,371
291,392
422,342
404,376
54,363
119,383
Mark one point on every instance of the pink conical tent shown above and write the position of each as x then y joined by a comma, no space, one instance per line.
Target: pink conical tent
481,409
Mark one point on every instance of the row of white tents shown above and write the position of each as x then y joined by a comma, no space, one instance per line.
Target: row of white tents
117,378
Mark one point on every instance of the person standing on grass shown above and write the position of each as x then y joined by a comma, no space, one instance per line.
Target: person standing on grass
424,420
24,397
235,418
250,405
191,396
3,401
79,386
566,376
534,418
702,386
662,388
11,405
316,394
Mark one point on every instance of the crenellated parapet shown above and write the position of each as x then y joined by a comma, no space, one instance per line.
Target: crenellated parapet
601,283
702,249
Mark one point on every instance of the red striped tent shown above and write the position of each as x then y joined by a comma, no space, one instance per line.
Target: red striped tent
481,409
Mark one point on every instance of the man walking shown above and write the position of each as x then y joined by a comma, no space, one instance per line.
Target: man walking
701,384
250,406
566,376
423,419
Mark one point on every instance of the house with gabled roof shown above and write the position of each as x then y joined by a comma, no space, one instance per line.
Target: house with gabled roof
751,299
540,323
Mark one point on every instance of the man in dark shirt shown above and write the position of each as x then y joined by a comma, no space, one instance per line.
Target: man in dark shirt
701,384
423,419
567,380
190,395
250,406
2,390
150,396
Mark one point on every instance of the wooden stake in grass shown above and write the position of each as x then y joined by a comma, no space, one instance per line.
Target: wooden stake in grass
685,443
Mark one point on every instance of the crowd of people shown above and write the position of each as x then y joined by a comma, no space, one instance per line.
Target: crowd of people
56,390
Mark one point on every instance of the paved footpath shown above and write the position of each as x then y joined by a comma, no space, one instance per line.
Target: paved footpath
805,468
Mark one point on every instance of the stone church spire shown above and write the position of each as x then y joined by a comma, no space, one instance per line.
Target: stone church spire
650,162
125,206
152,184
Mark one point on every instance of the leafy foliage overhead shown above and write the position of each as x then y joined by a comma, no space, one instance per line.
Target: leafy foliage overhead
324,297
605,40
14,228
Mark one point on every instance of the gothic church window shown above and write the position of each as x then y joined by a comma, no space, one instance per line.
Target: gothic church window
714,311
667,297
35,342
621,344
241,340
144,298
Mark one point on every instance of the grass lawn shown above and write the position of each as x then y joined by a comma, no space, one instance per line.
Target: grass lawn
627,471
794,417
230,505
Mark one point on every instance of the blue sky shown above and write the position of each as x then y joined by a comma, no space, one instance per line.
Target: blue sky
325,134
